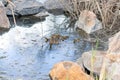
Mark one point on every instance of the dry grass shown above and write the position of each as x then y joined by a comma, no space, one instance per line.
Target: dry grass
106,10
12,10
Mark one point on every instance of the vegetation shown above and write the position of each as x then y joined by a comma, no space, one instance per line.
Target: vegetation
106,10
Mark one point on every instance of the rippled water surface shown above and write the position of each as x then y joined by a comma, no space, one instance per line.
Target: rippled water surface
24,55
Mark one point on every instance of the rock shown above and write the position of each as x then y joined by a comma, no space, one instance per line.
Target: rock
112,66
30,20
114,44
4,2
68,71
109,64
4,21
93,60
57,7
88,22
42,14
25,7
27,20
80,63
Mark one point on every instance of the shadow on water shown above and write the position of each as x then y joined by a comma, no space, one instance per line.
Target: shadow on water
24,54
2,31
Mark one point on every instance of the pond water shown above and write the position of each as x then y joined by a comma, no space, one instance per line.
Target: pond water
42,1
24,54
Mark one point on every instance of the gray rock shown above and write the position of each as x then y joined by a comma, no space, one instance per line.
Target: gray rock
114,44
93,60
57,7
25,7
88,22
4,21
4,2
79,62
112,66
113,71
42,14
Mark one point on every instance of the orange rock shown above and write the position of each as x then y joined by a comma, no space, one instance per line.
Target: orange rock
68,71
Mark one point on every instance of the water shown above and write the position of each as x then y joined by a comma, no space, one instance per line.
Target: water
24,55
42,1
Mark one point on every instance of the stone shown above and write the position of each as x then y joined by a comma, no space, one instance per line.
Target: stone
114,44
92,60
25,7
88,22
68,70
80,63
112,66
4,2
104,62
95,64
57,7
4,21
42,14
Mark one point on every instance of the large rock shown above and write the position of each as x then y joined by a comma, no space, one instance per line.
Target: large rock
104,62
108,63
88,22
42,14
57,7
112,60
114,44
4,2
25,7
68,71
93,60
4,21
112,66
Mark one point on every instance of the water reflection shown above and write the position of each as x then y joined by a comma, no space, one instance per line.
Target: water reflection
42,1
25,55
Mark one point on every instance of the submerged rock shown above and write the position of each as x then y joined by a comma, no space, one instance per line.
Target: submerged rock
4,21
25,7
68,71
88,22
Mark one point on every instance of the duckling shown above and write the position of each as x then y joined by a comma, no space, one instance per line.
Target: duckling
76,40
54,40
64,37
